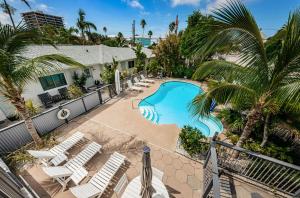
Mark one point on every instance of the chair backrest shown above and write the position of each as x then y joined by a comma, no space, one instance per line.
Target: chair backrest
79,175
83,157
136,79
142,76
157,173
45,98
63,92
122,183
129,83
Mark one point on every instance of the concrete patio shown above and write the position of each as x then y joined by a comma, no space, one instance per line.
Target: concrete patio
119,126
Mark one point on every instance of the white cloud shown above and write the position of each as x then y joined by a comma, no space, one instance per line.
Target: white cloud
134,4
4,18
215,4
175,3
43,7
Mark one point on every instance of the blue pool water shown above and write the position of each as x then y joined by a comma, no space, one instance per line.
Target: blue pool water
170,105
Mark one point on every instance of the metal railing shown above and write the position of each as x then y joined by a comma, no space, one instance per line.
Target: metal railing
211,176
15,136
276,174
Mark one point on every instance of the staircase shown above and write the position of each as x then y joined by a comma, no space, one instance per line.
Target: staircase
149,113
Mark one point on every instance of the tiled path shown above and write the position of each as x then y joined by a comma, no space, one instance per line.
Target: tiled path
119,127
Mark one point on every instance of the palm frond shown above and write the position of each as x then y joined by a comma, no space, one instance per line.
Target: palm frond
288,96
223,93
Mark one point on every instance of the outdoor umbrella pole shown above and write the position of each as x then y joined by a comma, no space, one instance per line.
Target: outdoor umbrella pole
146,178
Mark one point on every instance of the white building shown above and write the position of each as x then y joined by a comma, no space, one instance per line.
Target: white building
94,57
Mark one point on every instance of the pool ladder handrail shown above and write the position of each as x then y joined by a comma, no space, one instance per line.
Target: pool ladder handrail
140,99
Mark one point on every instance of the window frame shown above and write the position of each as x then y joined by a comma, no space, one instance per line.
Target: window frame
129,63
46,80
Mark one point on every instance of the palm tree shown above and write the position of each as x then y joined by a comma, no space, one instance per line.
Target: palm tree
16,71
11,10
150,33
143,24
104,30
83,25
172,27
263,83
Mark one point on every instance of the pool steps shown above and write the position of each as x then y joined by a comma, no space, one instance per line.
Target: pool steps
149,113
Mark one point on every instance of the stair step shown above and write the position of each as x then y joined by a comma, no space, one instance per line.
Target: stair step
150,114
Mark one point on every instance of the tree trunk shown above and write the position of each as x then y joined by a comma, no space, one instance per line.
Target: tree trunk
266,130
253,117
10,14
19,103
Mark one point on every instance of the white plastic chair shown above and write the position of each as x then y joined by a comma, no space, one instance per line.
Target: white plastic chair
157,173
143,79
138,83
122,183
133,88
73,169
99,182
57,152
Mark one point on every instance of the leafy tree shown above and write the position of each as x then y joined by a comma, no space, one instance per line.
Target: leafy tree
140,57
121,40
150,33
8,9
79,80
83,25
168,54
108,75
105,30
143,25
263,84
60,35
16,71
172,26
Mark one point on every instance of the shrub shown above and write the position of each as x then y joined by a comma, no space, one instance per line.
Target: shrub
32,108
153,67
75,91
79,81
192,140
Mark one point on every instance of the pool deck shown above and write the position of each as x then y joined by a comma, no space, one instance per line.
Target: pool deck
119,126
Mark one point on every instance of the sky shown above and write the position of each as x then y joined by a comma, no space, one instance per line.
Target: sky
117,15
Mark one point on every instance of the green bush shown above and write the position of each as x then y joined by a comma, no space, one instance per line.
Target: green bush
79,80
192,140
32,108
75,91
153,67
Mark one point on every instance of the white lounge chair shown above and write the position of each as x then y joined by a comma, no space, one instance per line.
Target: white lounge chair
133,88
122,183
138,83
99,182
74,169
158,173
57,153
146,80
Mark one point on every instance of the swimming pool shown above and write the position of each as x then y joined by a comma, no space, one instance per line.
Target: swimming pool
170,105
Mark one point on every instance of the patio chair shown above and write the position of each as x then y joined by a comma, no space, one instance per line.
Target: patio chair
46,99
146,80
157,173
74,168
99,182
138,83
64,93
56,155
120,185
133,88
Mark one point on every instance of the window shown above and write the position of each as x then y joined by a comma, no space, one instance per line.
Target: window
50,82
130,64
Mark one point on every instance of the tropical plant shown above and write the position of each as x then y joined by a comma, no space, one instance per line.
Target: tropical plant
83,25
60,35
108,74
168,54
16,71
32,108
75,91
150,33
143,25
79,80
172,26
193,141
263,83
8,9
140,57
153,67
120,40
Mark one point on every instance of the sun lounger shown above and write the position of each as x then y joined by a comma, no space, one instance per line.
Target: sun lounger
146,80
99,182
136,82
133,88
74,169
56,154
